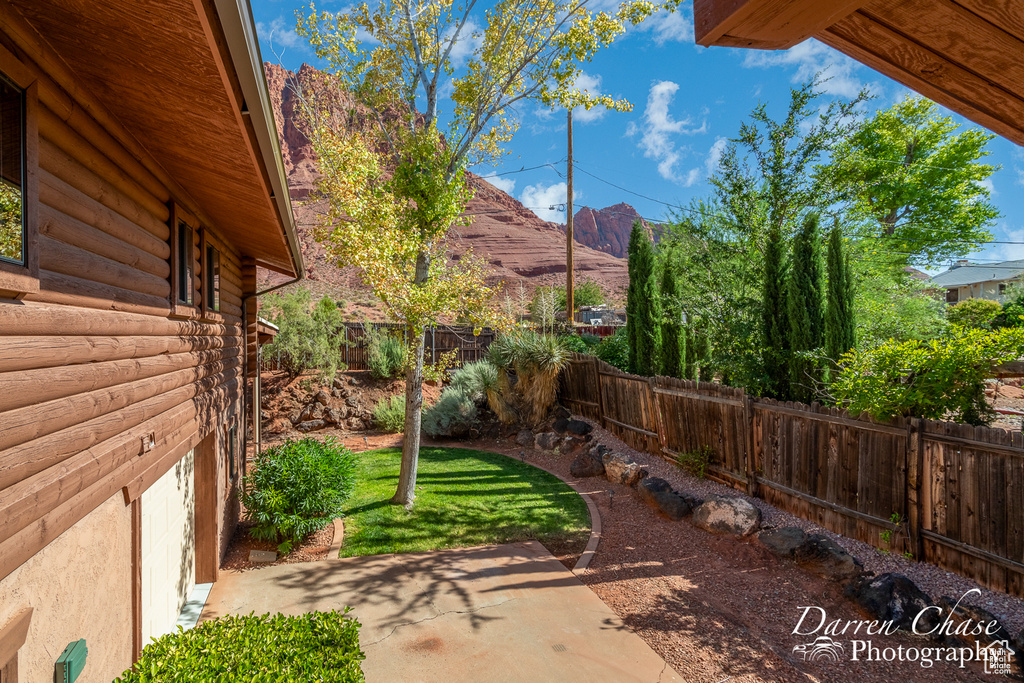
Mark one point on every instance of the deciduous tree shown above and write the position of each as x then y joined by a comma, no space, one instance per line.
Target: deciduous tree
389,199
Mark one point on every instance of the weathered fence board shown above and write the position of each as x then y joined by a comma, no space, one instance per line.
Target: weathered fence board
950,494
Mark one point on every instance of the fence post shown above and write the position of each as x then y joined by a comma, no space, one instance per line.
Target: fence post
915,503
751,445
659,419
600,392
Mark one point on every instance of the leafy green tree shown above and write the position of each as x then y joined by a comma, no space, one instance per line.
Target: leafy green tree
775,318
938,379
673,336
1012,313
389,199
636,236
642,298
840,327
917,179
978,313
804,309
585,293
614,349
891,305
309,337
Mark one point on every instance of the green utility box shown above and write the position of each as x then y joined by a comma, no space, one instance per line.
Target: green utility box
71,662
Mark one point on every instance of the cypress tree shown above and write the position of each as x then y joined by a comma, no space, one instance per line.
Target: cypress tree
774,318
840,330
636,236
645,347
673,342
691,349
804,306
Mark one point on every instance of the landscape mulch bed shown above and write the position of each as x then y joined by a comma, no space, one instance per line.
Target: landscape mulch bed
313,549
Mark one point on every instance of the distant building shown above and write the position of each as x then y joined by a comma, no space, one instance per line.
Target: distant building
967,280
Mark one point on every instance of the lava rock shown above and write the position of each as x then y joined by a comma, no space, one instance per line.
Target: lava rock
354,424
525,438
311,425
323,398
658,494
579,427
546,441
351,402
334,415
727,516
309,412
571,445
691,500
827,558
585,465
619,470
561,413
784,541
295,417
560,426
895,598
975,615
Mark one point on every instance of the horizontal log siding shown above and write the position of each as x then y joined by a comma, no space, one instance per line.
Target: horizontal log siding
92,364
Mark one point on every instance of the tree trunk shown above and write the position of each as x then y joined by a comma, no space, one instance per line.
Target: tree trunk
406,493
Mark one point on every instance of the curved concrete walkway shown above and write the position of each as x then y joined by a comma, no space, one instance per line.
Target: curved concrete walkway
491,613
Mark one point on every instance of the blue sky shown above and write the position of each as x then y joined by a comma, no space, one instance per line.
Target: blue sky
687,101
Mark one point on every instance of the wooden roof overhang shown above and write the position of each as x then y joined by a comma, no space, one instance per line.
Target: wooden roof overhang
967,55
185,80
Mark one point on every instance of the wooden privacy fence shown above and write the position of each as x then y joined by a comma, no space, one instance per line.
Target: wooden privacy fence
949,494
437,342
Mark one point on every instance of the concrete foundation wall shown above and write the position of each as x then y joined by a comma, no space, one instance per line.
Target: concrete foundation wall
80,587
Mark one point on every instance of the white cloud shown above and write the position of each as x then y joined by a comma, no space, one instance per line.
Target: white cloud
691,177
547,201
1018,155
279,36
506,185
659,129
591,85
715,155
468,42
669,27
1003,252
808,58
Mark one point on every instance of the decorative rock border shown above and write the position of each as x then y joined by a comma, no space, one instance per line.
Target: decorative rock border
339,538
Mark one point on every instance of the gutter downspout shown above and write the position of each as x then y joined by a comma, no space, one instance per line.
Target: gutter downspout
256,407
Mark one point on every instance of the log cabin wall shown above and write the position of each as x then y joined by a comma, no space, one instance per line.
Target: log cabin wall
105,384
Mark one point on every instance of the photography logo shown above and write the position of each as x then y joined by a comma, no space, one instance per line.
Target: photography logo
823,649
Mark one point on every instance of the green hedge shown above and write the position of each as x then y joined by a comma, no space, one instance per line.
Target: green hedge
319,646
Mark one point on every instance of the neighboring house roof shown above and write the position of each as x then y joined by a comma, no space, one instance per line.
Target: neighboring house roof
974,273
917,274
964,54
180,83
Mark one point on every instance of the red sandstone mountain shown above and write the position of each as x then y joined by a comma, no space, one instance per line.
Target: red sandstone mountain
519,246
608,229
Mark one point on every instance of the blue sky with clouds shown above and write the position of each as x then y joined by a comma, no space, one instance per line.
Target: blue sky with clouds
687,101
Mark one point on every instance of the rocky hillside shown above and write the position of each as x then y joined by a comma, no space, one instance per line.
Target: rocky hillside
608,229
521,248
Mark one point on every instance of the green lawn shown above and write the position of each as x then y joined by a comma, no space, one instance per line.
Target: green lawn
463,498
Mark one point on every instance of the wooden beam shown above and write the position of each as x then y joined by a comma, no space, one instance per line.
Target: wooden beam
893,54
13,634
43,319
207,489
765,24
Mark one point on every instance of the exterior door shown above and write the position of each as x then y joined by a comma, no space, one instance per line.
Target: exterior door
168,548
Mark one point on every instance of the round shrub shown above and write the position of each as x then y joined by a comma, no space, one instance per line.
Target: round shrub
614,350
385,354
297,488
476,379
319,646
454,414
389,414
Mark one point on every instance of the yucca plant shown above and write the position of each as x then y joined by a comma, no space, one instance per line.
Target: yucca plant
528,366
476,379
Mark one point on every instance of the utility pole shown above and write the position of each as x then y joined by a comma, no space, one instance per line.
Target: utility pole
568,237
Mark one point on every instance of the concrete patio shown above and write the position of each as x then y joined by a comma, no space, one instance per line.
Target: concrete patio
497,613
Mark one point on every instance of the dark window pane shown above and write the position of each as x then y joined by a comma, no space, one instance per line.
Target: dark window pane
12,153
185,261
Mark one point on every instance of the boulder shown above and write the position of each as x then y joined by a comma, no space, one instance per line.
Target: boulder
351,402
895,598
579,427
354,424
827,558
546,441
525,438
658,494
691,500
727,516
619,470
783,541
586,465
307,412
561,413
560,426
571,445
323,398
974,615
310,425
335,415
336,393
338,383
295,417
